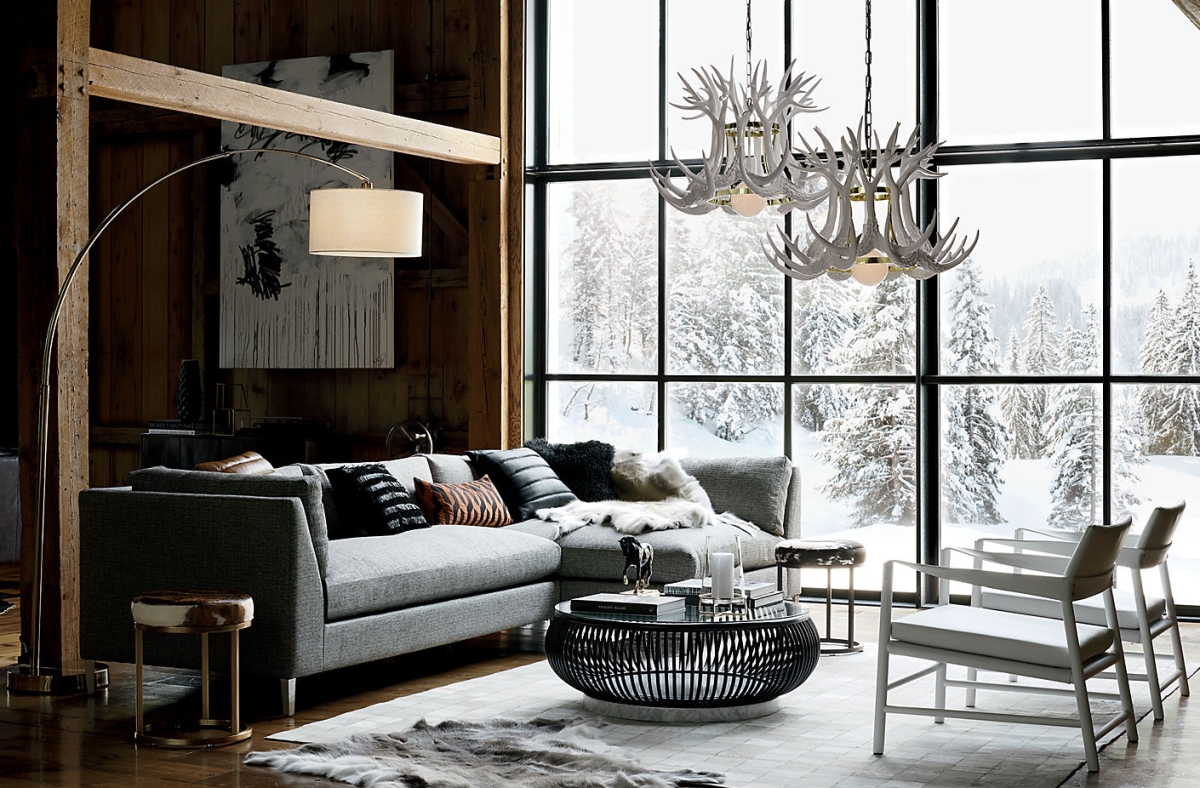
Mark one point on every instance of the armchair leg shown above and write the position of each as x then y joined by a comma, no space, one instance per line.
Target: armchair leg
287,694
939,693
972,676
1086,729
1143,616
1177,652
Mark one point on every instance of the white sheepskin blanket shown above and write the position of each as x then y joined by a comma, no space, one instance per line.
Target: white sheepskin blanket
655,494
499,753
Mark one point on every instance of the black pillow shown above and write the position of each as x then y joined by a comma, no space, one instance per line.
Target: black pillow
525,481
372,502
586,468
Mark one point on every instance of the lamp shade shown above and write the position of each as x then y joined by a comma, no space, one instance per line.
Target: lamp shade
359,222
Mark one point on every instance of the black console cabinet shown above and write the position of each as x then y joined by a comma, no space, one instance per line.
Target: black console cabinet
186,451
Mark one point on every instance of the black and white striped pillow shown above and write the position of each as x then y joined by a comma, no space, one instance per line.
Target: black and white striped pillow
372,502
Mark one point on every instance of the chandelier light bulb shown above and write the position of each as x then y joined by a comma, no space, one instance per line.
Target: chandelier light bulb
746,203
870,271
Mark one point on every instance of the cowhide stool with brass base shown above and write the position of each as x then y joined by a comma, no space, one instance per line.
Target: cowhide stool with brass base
198,613
828,555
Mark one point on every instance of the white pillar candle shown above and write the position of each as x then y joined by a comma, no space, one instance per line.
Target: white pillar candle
722,575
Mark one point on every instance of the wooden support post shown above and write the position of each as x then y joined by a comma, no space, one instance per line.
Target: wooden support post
52,222
512,214
495,411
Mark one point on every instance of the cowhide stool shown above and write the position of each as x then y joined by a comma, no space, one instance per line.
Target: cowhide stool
199,613
829,555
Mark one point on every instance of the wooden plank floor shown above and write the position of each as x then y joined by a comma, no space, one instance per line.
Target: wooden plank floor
87,741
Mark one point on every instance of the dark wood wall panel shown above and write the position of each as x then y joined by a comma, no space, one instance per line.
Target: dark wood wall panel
154,285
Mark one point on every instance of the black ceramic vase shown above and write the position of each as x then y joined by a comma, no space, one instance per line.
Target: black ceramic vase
189,400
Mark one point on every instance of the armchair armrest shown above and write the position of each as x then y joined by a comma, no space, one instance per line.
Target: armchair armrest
1048,586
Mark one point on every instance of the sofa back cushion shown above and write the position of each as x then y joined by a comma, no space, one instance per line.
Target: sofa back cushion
307,489
451,468
525,480
753,488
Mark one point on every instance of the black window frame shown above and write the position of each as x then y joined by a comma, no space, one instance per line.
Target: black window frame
926,379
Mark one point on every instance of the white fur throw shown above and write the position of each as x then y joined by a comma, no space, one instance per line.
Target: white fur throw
656,494
499,753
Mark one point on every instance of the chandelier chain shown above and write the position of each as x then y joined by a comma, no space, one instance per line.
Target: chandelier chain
867,119
749,42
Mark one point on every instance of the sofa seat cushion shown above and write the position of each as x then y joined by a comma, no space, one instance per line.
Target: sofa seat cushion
995,633
753,488
1087,611
593,552
373,574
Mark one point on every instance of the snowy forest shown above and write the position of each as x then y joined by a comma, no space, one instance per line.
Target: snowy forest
725,312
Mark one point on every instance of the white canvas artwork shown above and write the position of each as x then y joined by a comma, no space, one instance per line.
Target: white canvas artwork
280,306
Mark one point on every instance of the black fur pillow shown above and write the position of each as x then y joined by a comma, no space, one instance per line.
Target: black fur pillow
586,468
373,502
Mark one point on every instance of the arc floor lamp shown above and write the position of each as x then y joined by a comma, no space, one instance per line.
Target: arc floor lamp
343,222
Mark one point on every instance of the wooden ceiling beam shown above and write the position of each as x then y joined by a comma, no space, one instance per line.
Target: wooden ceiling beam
152,84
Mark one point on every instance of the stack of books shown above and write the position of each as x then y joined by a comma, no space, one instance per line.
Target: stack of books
758,593
629,604
177,427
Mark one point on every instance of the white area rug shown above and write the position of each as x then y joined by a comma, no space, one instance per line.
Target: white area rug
821,736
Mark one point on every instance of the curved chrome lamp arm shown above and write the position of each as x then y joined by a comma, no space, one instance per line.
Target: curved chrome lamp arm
34,681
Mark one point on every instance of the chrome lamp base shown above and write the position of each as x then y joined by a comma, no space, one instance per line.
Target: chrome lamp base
52,681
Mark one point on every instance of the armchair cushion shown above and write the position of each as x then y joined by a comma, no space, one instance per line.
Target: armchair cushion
1087,611
996,633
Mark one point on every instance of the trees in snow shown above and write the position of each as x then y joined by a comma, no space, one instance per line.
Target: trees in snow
973,441
872,444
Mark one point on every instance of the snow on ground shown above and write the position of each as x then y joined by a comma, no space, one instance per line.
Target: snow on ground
1024,498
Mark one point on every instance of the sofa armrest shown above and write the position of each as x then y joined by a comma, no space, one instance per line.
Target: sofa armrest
791,511
134,542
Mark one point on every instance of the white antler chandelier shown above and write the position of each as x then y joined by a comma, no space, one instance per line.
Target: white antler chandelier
749,164
853,241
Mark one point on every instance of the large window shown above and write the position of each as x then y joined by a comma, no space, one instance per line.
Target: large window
1051,380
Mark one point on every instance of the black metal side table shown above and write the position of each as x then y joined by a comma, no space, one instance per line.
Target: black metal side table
686,666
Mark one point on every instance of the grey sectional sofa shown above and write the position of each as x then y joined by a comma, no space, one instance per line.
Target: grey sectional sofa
322,604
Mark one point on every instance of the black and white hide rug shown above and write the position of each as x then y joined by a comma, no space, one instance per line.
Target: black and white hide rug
498,753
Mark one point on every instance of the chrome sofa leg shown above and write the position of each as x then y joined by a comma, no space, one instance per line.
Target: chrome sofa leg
287,694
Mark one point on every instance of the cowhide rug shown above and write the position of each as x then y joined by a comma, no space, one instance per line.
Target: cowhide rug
655,494
499,753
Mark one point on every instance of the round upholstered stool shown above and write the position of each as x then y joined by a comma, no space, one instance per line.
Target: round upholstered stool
828,555
200,613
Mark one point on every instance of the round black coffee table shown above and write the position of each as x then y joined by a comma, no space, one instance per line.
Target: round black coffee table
684,666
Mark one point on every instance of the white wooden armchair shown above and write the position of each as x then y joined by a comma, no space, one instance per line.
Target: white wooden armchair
1141,618
995,640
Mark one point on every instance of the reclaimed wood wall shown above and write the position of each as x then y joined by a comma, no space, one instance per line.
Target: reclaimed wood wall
154,275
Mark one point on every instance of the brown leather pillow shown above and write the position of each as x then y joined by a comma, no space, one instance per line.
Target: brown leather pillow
470,503
248,462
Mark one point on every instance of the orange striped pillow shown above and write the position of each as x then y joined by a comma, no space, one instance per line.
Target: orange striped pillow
470,503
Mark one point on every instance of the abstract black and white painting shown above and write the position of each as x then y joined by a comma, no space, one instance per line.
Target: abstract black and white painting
280,306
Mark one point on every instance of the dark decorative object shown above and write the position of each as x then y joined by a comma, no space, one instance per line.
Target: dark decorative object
374,500
639,564
189,399
4,606
585,467
695,662
525,480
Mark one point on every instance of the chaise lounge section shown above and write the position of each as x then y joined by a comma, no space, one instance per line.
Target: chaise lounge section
323,604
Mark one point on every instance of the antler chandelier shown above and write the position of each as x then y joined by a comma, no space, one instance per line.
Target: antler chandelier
749,164
853,241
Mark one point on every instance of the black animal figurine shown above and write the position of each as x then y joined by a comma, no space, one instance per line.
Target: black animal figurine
639,564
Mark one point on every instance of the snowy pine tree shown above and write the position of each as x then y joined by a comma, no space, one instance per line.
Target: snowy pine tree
1127,455
973,441
872,444
726,307
1076,433
1026,408
1181,406
1154,357
824,317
